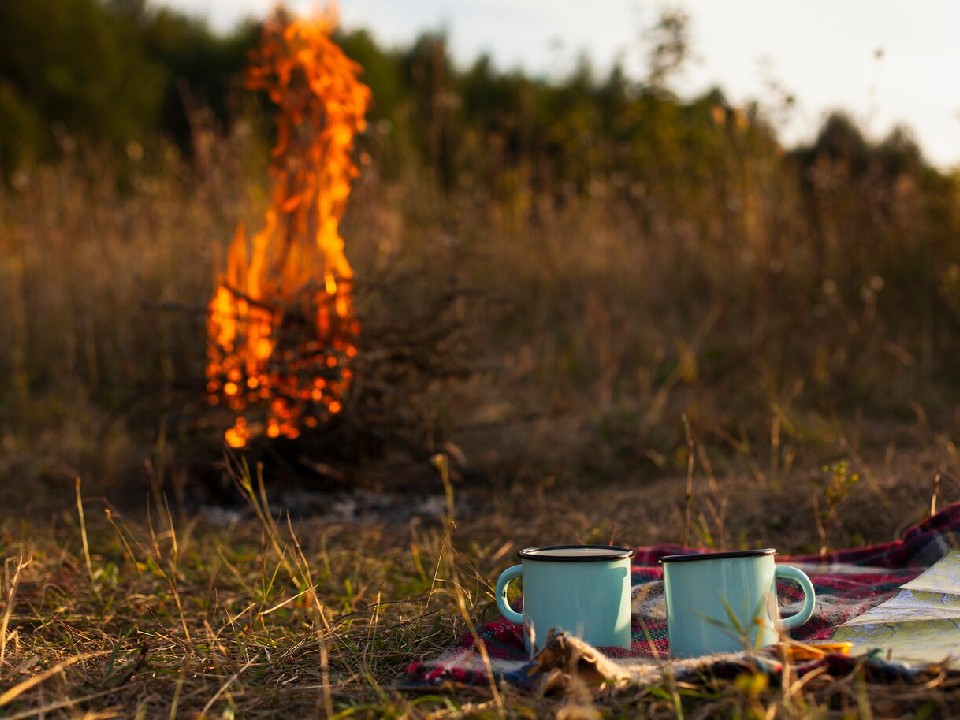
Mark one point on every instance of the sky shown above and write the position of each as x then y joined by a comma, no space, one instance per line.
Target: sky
885,62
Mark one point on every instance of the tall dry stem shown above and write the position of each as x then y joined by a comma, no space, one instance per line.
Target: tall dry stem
10,586
441,462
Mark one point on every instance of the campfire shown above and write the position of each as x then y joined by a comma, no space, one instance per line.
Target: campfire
282,333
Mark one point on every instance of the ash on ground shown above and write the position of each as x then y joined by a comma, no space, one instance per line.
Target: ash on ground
356,506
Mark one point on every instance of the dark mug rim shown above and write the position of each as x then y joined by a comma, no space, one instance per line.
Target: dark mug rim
605,553
696,556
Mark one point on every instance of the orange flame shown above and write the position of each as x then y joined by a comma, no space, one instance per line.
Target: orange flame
281,329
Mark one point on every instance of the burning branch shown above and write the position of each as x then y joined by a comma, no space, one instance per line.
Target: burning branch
281,329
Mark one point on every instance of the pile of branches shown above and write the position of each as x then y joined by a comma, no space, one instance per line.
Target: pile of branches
409,357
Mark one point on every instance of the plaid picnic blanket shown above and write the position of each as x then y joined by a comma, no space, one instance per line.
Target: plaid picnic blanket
847,582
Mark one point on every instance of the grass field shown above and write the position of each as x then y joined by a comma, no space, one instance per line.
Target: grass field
603,368
149,614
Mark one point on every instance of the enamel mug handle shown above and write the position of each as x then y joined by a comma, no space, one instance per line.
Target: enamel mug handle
505,577
809,596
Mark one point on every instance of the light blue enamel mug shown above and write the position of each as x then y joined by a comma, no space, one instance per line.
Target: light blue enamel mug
581,589
727,601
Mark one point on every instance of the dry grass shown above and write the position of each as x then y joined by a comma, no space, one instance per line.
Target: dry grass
165,616
596,324
698,367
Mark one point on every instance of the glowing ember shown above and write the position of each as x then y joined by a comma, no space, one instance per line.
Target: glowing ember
281,333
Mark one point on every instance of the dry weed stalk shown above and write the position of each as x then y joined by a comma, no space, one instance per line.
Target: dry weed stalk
10,587
448,554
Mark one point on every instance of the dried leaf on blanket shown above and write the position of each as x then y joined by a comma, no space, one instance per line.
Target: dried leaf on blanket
569,665
566,659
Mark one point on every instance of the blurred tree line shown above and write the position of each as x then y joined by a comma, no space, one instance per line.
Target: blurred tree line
109,72
112,71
